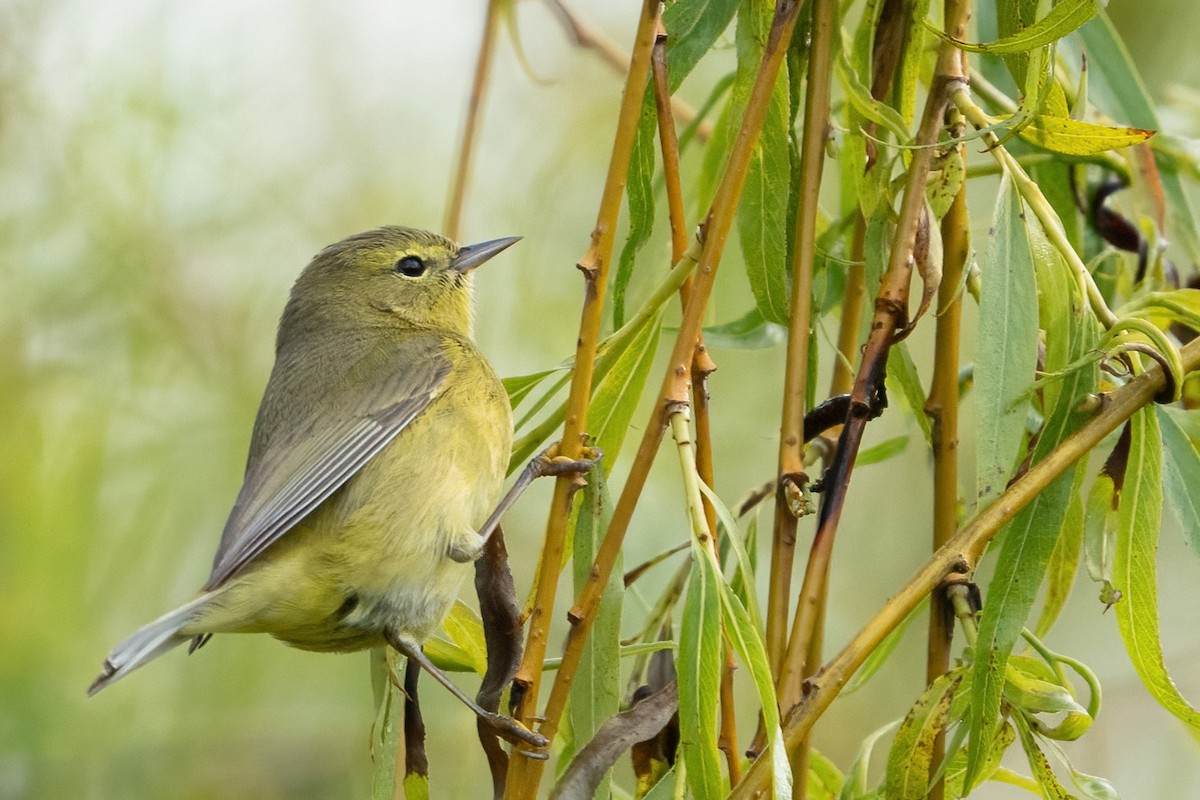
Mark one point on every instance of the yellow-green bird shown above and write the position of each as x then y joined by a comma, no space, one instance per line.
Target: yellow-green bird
380,447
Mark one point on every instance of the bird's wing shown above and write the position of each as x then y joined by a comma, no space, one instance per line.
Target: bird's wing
360,410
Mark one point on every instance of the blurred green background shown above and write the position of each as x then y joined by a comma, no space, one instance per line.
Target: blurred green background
167,170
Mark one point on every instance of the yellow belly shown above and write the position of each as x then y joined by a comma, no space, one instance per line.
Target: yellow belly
374,556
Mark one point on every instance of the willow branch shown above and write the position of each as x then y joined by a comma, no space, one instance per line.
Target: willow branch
942,404
462,172
523,777
675,383
702,365
790,474
960,554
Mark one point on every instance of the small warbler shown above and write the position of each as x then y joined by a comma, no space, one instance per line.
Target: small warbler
380,446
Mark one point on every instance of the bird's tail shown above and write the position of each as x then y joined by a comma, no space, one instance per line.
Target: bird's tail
148,643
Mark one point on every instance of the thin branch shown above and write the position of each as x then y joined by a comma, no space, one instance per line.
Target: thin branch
462,173
525,773
960,554
942,404
790,474
675,382
702,364
890,318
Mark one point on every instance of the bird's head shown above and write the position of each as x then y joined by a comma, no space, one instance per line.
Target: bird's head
390,274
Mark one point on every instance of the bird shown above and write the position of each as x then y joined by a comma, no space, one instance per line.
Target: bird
381,444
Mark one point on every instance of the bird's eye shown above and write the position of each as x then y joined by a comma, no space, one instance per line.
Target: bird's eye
410,267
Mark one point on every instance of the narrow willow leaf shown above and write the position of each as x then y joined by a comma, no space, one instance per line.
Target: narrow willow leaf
1064,559
880,654
1181,475
744,573
1006,355
465,629
1115,85
748,644
824,778
596,690
1093,787
1042,772
699,668
617,395
956,767
912,60
667,786
867,106
907,776
385,732
1135,571
1027,541
902,375
748,332
1100,528
888,448
1075,138
639,195
762,218
1065,17
693,27
855,786
519,386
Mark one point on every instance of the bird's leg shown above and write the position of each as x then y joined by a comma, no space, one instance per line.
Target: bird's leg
506,727
548,462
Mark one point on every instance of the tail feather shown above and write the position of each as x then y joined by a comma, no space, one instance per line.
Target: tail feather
148,643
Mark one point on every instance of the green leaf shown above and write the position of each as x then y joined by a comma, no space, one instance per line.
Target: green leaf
956,768
1064,559
902,375
699,668
855,786
1181,474
1042,772
1135,567
693,27
385,731
762,219
1027,541
1075,138
639,195
744,573
616,396
1006,355
880,654
465,629
748,644
596,690
824,778
748,332
519,386
888,448
666,787
909,760
1064,17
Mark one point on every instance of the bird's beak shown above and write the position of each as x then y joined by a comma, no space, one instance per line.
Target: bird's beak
472,255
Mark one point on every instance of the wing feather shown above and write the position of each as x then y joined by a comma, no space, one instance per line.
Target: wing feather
346,427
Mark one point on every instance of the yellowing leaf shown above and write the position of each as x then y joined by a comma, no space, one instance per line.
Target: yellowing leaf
1075,138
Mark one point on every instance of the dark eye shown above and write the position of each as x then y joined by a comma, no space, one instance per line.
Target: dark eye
410,267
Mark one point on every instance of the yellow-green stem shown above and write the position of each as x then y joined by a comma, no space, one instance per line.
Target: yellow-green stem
525,773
